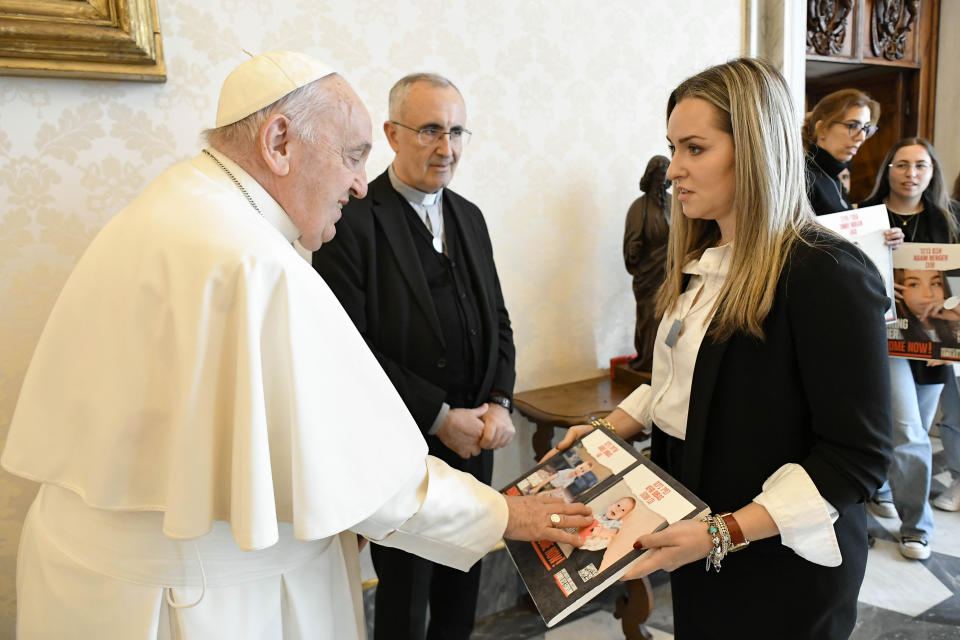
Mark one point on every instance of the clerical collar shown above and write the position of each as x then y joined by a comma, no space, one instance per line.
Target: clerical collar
271,211
411,195
830,165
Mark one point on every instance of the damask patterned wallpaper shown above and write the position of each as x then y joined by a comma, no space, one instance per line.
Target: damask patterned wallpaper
566,100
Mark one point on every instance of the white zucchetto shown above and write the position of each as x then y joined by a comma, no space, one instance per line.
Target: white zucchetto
264,79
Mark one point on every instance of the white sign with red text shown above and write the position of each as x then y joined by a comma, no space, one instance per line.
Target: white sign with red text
864,228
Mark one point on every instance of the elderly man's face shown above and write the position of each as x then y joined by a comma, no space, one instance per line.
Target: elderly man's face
327,173
427,168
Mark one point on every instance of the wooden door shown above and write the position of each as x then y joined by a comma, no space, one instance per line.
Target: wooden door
886,48
894,88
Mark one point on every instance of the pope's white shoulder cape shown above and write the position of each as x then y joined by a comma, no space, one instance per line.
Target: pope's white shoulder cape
194,364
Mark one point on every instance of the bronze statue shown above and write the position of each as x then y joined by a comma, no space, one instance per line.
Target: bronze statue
645,254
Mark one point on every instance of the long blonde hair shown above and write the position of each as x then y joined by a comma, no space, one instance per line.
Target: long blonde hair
770,200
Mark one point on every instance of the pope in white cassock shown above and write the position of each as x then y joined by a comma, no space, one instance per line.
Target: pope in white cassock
199,409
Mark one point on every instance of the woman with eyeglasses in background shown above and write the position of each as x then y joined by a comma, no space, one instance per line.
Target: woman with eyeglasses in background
832,133
911,185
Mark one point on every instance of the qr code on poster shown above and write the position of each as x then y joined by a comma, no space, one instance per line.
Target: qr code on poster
565,582
587,572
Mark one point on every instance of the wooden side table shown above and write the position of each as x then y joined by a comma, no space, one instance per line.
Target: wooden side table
564,406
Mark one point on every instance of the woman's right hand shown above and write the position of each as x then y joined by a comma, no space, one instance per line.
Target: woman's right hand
572,435
940,313
681,543
893,237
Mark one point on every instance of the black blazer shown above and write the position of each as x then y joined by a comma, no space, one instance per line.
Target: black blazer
373,268
816,392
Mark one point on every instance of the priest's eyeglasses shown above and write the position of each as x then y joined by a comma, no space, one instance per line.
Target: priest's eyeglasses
856,127
430,135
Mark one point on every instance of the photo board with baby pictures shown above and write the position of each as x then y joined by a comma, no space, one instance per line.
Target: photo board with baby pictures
629,496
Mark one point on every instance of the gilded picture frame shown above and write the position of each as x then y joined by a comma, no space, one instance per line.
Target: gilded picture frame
107,39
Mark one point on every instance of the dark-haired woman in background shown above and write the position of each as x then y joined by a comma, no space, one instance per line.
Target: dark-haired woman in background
910,183
833,132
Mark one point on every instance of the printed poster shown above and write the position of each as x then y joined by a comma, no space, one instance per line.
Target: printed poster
926,279
628,495
864,227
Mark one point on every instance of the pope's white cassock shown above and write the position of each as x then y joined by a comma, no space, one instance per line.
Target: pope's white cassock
211,432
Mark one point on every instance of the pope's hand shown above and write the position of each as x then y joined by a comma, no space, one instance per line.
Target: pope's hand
461,430
530,518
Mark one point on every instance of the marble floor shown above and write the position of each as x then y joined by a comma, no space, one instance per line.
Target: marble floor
900,599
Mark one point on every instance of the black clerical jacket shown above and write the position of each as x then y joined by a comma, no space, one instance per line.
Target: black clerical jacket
373,268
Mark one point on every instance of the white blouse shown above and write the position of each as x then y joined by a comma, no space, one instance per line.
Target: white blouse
804,518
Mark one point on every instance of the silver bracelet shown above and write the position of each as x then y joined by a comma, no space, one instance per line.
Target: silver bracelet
716,529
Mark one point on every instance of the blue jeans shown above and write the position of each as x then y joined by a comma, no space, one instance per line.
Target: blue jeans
913,407
948,421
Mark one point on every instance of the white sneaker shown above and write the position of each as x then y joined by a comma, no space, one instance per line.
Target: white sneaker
882,508
914,548
949,500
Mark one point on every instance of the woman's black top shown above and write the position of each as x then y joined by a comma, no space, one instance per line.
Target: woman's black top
823,186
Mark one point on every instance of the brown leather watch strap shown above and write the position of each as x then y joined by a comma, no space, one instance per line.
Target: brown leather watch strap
737,539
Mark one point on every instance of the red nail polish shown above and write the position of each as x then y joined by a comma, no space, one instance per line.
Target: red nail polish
638,545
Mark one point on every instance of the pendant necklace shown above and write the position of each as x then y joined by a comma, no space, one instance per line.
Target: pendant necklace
437,232
905,221
235,181
677,327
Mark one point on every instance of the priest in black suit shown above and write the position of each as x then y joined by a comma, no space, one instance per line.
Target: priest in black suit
412,264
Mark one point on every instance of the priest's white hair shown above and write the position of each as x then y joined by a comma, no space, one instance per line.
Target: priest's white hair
400,91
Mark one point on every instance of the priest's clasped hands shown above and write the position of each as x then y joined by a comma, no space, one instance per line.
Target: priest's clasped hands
467,431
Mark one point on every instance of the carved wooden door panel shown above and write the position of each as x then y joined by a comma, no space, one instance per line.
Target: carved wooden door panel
891,88
887,48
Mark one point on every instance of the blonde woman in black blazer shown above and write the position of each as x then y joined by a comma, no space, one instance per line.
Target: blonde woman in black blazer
770,384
